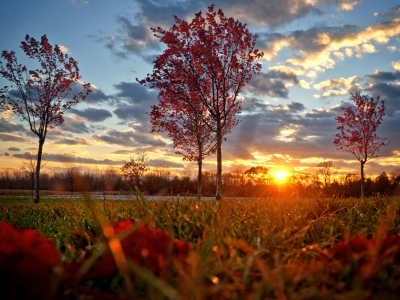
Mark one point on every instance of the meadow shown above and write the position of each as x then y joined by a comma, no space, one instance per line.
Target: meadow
275,248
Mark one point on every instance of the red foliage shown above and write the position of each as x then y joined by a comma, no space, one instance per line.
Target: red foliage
358,127
38,94
189,133
204,68
358,130
28,264
372,254
144,246
135,168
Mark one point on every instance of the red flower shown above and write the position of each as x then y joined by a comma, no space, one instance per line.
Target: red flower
144,246
28,264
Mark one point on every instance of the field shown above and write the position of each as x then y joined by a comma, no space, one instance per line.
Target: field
284,248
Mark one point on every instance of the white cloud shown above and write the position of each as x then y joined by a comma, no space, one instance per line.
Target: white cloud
64,49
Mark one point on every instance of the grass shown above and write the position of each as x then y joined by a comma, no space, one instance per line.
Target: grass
241,249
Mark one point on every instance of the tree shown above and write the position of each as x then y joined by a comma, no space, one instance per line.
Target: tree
135,168
259,175
37,96
324,169
73,179
188,132
29,168
206,64
358,130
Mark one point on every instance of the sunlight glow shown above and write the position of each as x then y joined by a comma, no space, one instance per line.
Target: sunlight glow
280,175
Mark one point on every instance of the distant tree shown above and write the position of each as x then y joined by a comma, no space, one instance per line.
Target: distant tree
324,169
206,64
29,168
37,96
72,177
188,132
112,176
135,168
358,130
258,174
382,184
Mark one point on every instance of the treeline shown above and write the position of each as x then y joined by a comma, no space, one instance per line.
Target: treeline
161,181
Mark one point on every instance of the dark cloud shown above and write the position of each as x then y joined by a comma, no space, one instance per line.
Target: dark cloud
13,149
11,138
263,84
135,37
129,138
135,93
6,154
166,163
380,76
97,96
93,114
69,158
73,142
137,150
10,127
75,126
393,13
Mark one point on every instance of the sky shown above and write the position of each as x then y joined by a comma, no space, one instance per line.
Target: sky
316,53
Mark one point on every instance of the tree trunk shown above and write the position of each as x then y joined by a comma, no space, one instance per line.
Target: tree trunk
362,179
219,162
200,162
37,175
32,177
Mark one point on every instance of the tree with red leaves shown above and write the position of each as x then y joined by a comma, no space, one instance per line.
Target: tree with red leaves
189,133
37,96
206,65
358,130
135,168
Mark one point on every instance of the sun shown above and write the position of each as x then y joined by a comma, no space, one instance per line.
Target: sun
280,175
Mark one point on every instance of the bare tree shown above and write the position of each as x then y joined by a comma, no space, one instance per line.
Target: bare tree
72,177
29,163
325,169
111,177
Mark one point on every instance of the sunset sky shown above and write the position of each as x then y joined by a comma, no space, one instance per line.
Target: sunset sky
316,52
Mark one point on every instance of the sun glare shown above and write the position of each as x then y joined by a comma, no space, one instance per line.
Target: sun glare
280,175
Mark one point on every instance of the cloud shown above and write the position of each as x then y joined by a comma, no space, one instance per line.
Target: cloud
92,114
72,124
137,150
383,76
6,154
129,138
70,158
348,4
338,86
64,49
315,45
97,96
11,138
135,93
165,163
135,38
10,127
396,65
13,149
263,84
78,141
393,13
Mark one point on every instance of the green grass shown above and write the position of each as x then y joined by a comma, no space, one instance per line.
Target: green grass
256,235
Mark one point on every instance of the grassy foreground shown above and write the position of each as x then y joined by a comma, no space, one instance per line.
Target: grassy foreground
240,249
